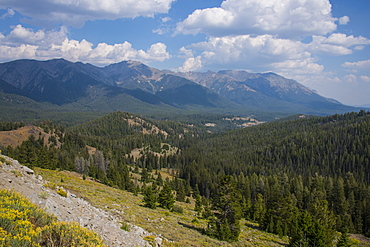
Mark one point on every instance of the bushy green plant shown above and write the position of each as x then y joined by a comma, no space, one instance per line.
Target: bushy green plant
23,224
17,173
62,192
178,209
66,234
125,226
50,185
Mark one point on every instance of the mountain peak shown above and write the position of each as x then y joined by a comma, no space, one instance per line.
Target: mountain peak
60,81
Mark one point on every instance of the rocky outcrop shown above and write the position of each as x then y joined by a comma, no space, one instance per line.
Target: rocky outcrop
71,208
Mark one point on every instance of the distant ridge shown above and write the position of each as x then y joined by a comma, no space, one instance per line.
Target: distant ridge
133,86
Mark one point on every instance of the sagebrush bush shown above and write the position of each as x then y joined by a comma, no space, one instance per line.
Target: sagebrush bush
23,224
178,209
50,185
62,192
66,234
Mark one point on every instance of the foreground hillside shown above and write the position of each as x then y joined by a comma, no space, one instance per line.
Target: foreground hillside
118,210
60,205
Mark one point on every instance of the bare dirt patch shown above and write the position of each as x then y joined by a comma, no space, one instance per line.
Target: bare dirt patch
16,137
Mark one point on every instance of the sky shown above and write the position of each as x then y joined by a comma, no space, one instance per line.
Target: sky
325,45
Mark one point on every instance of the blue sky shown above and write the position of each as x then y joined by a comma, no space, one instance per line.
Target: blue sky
325,45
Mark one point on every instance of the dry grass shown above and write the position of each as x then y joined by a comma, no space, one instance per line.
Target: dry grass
16,137
177,228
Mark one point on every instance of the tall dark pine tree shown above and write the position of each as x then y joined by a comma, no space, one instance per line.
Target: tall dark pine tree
166,199
226,203
150,197
198,204
307,231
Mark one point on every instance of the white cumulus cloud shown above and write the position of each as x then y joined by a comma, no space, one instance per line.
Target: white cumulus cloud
26,43
365,64
344,20
337,44
286,18
191,64
264,52
343,40
76,12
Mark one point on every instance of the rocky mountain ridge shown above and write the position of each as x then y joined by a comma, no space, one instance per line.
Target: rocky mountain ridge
62,82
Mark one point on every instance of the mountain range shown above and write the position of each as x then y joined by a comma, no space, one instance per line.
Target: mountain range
135,87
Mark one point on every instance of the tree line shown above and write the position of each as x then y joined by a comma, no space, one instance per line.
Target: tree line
303,178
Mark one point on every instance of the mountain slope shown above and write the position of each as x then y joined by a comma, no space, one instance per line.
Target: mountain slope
135,87
121,86
71,208
268,92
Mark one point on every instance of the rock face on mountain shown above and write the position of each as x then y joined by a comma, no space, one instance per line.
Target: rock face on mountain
70,208
268,92
62,82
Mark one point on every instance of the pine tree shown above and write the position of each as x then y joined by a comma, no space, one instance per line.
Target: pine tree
145,175
150,197
159,179
306,231
166,198
198,205
258,209
344,240
300,229
226,203
207,212
180,195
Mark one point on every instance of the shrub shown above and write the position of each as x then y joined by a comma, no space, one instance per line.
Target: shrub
50,185
151,240
43,194
178,209
15,207
62,192
64,234
19,220
17,173
23,224
125,226
3,160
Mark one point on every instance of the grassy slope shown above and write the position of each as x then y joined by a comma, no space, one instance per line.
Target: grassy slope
173,226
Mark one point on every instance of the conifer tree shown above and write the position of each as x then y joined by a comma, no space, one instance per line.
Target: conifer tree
344,240
207,212
159,179
150,197
198,205
226,203
166,198
180,195
145,175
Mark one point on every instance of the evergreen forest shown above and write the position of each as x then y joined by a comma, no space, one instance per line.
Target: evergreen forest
306,178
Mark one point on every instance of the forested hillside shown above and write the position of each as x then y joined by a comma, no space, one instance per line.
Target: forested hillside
101,148
306,179
292,174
